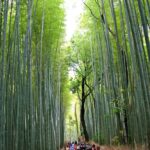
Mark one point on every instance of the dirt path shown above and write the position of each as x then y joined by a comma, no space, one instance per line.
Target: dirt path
138,147
122,148
115,148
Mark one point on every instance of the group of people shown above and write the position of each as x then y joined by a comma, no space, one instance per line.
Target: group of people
72,146
80,146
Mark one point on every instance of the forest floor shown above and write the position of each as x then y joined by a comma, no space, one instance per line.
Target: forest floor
121,147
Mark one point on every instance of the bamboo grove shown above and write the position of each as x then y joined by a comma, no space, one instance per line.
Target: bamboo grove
111,57
31,110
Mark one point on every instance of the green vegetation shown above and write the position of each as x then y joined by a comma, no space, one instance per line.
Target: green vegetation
31,81
113,54
110,59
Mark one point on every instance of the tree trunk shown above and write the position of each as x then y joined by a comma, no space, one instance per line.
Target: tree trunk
82,112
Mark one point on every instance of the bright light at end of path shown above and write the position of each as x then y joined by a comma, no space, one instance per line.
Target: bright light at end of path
72,73
74,9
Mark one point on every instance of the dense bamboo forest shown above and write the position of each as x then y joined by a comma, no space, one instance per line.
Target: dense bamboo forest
95,84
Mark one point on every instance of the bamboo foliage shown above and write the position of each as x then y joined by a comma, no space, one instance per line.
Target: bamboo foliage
31,110
117,111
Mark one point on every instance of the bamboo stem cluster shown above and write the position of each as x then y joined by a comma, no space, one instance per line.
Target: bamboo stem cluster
118,36
31,110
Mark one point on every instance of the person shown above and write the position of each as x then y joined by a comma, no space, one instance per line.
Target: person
93,147
67,147
98,147
75,145
82,146
78,147
79,142
72,146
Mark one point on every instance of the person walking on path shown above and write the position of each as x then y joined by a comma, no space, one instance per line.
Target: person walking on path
72,146
75,145
67,148
93,147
